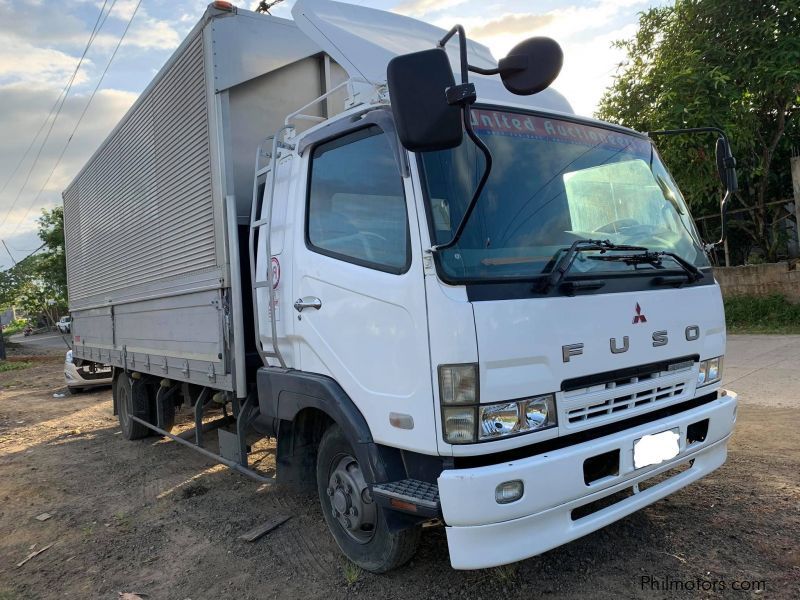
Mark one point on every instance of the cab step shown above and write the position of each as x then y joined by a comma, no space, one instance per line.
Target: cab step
410,496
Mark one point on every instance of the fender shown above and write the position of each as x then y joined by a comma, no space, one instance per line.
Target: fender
283,393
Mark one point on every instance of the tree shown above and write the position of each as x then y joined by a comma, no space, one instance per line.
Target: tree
39,281
51,263
730,63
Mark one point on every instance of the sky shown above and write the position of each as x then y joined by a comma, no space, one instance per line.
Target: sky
41,43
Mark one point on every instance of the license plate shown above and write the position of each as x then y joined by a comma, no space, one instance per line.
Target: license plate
656,448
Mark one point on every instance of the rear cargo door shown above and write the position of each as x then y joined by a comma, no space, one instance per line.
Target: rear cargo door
360,287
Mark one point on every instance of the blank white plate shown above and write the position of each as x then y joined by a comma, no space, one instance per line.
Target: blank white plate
656,448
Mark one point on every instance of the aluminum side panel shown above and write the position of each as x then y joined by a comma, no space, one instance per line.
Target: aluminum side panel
179,337
142,210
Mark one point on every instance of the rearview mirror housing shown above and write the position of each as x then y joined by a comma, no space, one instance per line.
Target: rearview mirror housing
424,119
531,66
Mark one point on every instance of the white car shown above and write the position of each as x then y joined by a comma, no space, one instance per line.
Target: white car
80,377
65,324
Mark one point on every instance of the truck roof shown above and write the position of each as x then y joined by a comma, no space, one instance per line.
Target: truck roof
363,41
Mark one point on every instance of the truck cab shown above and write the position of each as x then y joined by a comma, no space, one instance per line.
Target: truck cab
523,400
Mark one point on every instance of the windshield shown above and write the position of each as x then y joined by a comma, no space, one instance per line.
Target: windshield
553,182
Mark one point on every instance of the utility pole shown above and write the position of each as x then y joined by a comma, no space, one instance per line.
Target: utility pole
2,337
795,165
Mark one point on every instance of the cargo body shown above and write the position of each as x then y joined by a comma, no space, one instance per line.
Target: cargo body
153,263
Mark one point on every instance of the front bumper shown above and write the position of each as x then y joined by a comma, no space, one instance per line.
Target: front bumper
482,533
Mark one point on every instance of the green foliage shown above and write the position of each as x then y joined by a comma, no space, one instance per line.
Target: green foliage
15,326
13,366
39,282
734,64
756,314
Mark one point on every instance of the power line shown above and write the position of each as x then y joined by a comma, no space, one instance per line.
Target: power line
63,98
80,118
22,260
33,141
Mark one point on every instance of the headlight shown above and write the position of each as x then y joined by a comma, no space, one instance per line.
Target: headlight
710,371
466,421
521,416
459,424
499,419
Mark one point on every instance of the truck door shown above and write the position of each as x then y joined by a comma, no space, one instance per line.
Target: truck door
360,314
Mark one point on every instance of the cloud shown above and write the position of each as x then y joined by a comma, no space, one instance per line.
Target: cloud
24,62
28,24
417,8
152,34
512,24
25,107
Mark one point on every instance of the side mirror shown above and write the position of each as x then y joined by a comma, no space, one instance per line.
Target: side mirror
726,165
424,119
531,66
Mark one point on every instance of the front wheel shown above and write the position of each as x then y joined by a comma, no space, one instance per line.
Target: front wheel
357,523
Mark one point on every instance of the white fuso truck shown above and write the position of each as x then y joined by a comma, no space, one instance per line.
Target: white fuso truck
446,296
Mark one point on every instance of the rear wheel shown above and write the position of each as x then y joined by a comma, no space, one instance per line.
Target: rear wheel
357,523
131,398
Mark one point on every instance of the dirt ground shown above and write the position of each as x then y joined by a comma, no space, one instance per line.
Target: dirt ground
157,519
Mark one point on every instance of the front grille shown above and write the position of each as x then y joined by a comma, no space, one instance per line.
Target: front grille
625,393
625,402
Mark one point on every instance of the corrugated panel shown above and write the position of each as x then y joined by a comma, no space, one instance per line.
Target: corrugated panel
142,210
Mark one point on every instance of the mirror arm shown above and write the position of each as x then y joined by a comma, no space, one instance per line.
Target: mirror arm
730,163
462,38
478,190
481,71
487,154
723,210
721,132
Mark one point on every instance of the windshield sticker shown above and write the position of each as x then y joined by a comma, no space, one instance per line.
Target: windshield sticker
493,122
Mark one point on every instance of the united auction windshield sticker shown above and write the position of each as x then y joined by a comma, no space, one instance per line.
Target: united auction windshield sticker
494,122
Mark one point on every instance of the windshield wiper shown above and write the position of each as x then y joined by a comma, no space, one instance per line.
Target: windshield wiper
564,264
655,259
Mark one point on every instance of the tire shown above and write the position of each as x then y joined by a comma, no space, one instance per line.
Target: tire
74,391
368,542
131,398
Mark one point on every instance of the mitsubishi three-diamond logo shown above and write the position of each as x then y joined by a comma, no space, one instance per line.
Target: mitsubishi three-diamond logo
639,318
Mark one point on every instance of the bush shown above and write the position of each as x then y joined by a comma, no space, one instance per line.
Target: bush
13,366
756,314
15,326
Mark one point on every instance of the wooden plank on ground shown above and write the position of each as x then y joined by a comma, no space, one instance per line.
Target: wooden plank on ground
264,528
33,555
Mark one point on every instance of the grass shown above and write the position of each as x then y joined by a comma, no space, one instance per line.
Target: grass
351,572
14,366
756,314
505,574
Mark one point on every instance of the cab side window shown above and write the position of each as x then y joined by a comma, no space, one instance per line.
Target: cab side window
356,208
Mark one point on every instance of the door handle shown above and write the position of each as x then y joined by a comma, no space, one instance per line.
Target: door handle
307,302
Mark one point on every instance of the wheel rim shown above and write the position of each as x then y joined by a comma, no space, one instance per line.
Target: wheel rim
122,408
350,500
